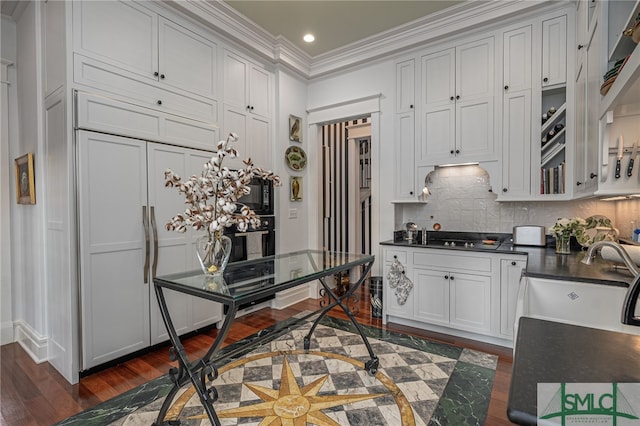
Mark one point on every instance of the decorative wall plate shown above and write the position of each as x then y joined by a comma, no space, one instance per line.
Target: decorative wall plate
598,228
296,158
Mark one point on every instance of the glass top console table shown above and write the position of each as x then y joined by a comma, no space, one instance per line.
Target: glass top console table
245,282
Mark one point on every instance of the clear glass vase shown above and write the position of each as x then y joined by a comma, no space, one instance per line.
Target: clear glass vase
213,253
563,245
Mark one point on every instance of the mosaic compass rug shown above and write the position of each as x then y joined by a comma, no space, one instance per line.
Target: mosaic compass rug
418,382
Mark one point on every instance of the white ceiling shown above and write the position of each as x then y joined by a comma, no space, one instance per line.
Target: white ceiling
335,23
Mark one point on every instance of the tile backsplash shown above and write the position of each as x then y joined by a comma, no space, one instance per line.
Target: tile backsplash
461,200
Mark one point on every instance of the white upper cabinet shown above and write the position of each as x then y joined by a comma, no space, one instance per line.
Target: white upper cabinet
124,34
405,86
457,104
517,59
187,61
246,85
124,48
554,51
516,113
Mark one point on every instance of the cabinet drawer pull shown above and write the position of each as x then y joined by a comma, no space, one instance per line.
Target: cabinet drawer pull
593,175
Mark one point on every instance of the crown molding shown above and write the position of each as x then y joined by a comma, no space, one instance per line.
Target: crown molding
459,19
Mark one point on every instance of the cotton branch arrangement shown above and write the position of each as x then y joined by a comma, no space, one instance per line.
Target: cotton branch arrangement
212,198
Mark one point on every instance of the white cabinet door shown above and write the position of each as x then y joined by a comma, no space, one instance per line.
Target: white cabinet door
254,138
121,33
510,273
391,305
405,86
517,59
112,197
470,302
246,85
405,156
457,105
594,78
431,295
554,51
176,251
516,144
187,61
580,164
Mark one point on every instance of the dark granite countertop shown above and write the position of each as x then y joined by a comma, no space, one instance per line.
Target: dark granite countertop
543,262
552,352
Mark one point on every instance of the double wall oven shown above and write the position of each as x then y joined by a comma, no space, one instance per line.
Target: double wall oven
254,242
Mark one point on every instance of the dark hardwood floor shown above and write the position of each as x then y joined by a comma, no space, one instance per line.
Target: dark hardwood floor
36,394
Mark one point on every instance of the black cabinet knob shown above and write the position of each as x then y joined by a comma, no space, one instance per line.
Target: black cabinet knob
506,87
248,106
155,74
504,190
513,263
159,102
545,79
593,175
451,151
395,257
161,76
580,46
457,151
578,183
411,106
457,96
451,277
251,108
410,192
446,277
451,98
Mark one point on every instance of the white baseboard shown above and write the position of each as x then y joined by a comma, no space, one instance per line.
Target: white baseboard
290,297
31,341
6,333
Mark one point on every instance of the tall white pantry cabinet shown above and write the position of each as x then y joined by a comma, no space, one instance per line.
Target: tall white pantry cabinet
131,89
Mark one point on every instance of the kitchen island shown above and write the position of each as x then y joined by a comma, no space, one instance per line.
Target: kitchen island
552,352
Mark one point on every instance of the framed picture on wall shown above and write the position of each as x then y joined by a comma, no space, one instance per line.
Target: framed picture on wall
296,188
295,128
25,180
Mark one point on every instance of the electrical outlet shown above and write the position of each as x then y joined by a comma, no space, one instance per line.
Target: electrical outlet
293,213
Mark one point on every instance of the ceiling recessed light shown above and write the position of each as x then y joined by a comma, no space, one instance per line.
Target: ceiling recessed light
308,38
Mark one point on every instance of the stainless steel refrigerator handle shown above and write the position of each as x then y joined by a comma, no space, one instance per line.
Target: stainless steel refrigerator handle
154,228
145,223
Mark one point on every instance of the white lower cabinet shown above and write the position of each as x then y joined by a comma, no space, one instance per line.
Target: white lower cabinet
510,274
468,293
122,208
390,303
454,299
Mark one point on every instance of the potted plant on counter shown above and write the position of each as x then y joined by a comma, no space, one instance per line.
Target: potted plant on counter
564,229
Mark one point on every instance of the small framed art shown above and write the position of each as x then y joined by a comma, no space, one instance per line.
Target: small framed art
296,188
25,180
295,128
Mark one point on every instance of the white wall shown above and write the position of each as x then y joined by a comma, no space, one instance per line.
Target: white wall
27,220
376,78
291,99
8,133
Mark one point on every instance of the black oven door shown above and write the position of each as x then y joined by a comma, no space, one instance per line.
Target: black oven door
254,243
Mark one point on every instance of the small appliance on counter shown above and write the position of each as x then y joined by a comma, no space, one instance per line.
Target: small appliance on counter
529,235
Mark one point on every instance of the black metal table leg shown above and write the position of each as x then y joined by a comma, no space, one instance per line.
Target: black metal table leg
186,370
372,365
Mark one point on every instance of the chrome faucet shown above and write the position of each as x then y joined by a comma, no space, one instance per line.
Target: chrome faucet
631,298
617,247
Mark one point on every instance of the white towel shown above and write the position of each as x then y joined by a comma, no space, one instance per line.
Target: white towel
254,245
611,254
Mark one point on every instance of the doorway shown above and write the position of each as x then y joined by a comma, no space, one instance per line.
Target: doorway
346,186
